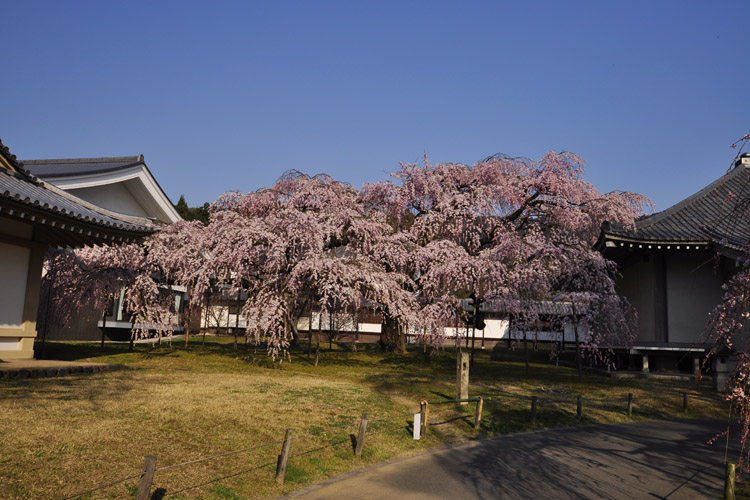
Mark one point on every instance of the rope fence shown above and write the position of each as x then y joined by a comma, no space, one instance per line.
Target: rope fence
470,409
146,476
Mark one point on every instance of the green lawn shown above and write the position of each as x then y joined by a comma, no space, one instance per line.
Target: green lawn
69,434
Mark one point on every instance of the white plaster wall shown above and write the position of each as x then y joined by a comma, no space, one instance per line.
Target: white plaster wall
369,327
14,268
115,197
494,329
498,329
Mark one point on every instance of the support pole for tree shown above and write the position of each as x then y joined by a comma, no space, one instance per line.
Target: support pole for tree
147,477
330,332
236,320
206,316
630,404
132,340
473,342
309,333
510,331
361,436
526,351
578,343
104,327
533,410
579,407
684,402
189,316
317,337
284,457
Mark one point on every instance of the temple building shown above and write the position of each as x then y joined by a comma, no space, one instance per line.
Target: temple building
673,265
33,216
122,184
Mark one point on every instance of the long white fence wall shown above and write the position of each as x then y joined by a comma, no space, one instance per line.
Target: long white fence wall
495,329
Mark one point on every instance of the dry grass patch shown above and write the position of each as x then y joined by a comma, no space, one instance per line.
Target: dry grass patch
66,435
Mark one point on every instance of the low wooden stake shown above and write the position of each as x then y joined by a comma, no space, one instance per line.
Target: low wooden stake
579,407
630,404
533,410
361,436
729,482
478,417
684,402
144,486
284,457
424,410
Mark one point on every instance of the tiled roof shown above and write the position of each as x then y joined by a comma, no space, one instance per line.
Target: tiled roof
75,173
78,166
11,159
54,200
716,214
70,220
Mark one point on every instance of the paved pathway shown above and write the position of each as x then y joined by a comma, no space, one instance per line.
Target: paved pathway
638,460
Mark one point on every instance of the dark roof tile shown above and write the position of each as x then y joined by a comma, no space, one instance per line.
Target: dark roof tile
717,214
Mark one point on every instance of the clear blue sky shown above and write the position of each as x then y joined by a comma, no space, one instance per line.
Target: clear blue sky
228,95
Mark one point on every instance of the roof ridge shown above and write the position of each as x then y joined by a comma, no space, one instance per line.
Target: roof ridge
649,220
110,159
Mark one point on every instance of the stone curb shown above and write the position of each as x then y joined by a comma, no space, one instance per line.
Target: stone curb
24,373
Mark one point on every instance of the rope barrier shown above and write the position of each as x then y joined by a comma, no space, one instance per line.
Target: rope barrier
108,485
488,397
216,480
166,467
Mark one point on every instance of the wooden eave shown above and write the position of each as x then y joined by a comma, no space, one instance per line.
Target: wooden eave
62,231
624,241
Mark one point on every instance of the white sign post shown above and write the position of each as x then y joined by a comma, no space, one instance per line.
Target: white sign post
417,425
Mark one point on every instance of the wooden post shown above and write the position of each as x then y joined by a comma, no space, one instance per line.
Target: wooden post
478,417
424,410
361,436
729,482
684,402
533,410
144,486
284,457
579,407
630,404
462,376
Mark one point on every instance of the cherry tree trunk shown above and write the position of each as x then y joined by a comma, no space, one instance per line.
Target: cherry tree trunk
392,338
